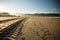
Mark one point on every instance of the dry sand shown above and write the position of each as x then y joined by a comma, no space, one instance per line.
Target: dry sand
36,28
7,18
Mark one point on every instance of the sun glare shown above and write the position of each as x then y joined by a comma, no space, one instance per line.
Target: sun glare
2,8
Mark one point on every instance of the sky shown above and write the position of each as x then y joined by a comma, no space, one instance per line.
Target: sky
30,6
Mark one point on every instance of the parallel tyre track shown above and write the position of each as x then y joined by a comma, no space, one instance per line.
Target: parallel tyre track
4,35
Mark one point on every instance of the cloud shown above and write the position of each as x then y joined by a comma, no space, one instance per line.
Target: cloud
54,8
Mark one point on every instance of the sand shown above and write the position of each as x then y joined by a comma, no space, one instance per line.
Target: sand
37,28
